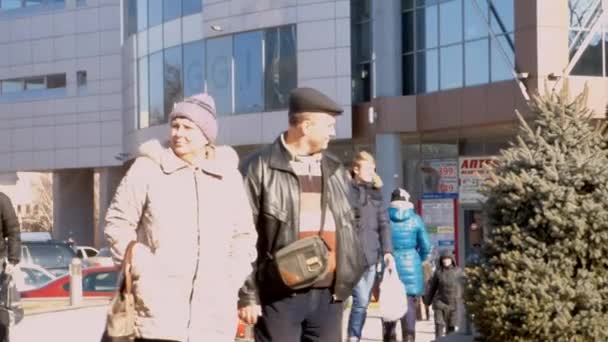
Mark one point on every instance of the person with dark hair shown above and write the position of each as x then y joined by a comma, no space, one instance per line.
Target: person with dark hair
411,246
444,292
300,193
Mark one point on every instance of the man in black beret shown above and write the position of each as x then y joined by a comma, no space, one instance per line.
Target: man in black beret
297,191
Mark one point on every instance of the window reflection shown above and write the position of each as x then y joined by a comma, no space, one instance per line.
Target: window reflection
450,14
451,66
475,16
157,95
427,71
194,65
502,16
477,62
142,15
155,12
172,9
144,115
501,68
191,7
173,77
219,72
248,72
280,67
426,27
590,63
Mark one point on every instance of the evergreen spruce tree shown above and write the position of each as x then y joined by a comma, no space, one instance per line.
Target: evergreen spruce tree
544,274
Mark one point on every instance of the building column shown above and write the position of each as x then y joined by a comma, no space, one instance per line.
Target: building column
73,205
109,179
389,163
386,47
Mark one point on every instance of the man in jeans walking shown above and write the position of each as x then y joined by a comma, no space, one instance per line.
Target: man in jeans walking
374,233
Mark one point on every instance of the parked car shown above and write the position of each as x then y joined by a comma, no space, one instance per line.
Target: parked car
96,282
98,258
55,256
31,276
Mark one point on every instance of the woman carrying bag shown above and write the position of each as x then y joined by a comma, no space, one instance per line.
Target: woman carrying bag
411,246
186,207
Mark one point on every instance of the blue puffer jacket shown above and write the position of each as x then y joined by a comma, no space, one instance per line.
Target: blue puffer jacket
411,245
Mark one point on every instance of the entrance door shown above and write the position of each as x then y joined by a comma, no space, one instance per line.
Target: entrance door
474,234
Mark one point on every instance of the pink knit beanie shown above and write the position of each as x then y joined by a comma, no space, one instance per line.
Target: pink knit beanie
199,109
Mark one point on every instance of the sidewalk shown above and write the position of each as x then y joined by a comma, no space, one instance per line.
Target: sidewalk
425,330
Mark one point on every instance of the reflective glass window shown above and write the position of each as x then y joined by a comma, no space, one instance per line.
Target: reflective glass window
11,86
407,36
34,2
155,12
426,2
10,4
55,81
144,101
426,27
407,4
475,19
219,72
501,69
581,12
427,71
156,86
172,9
408,75
281,68
191,6
502,16
174,91
450,14
142,15
477,62
361,10
131,17
34,83
451,66
248,72
590,62
194,67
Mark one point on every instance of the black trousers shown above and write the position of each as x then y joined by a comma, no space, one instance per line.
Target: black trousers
309,316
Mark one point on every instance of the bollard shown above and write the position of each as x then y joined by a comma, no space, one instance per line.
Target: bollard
75,282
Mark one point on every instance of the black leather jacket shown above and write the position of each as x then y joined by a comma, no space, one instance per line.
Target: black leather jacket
273,190
9,229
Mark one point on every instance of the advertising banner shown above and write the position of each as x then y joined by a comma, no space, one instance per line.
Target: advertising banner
439,178
472,174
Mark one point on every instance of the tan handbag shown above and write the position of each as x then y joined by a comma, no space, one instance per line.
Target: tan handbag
121,314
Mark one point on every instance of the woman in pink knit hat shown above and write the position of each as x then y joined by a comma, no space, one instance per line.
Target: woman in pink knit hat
185,205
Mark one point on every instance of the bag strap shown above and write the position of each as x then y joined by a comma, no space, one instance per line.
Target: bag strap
127,262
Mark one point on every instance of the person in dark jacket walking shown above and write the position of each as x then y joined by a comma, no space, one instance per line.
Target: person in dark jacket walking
444,293
297,190
374,233
9,230
411,247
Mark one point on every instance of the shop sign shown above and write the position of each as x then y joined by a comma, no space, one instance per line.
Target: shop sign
439,217
472,174
440,178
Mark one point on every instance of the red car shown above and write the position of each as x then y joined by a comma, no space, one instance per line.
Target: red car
96,282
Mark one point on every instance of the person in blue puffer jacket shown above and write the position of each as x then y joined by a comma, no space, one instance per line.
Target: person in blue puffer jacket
411,246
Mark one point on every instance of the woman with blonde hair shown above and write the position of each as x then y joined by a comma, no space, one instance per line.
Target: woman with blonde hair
374,234
185,205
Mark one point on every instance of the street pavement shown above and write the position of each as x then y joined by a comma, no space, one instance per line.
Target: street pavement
87,323
76,325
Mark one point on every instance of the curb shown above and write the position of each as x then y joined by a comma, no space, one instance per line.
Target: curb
62,308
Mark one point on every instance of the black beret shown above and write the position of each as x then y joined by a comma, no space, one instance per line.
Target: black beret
311,100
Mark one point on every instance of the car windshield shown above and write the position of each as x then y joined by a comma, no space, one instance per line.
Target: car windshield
51,255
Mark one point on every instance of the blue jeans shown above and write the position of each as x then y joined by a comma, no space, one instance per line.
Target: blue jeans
361,296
